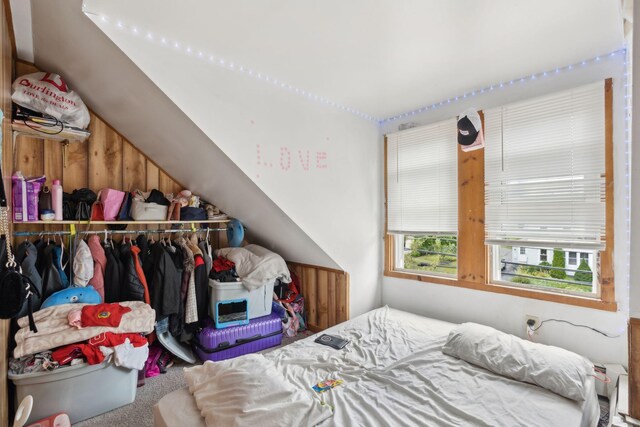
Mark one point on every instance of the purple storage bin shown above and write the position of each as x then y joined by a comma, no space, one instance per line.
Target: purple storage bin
220,344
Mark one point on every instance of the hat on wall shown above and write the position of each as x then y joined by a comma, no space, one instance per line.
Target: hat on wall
470,135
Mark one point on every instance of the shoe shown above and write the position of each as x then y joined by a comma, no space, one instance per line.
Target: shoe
165,362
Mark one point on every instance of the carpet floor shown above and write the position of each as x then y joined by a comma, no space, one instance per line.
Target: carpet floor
140,412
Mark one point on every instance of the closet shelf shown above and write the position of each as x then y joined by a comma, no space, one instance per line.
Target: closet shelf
217,221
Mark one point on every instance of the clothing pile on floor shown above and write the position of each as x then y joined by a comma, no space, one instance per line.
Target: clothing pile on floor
74,333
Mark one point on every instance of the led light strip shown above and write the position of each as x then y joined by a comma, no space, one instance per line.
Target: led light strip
217,60
505,84
628,113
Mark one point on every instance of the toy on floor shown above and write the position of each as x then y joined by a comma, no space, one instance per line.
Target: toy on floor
323,386
24,411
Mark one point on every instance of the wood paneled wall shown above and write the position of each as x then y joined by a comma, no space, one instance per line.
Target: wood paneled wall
6,74
326,295
107,159
634,367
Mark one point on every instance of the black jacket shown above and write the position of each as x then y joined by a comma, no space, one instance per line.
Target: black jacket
26,256
51,281
132,288
165,282
113,274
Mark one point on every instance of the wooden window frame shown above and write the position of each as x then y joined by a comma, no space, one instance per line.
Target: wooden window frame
473,254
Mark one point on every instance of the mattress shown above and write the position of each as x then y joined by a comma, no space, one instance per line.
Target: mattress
395,373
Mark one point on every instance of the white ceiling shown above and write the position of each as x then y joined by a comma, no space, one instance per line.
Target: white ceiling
385,57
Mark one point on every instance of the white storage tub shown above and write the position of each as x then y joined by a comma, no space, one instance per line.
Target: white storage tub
259,300
81,391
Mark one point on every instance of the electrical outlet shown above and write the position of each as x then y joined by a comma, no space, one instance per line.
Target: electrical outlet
528,319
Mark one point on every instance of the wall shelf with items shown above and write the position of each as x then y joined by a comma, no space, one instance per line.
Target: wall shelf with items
65,137
218,221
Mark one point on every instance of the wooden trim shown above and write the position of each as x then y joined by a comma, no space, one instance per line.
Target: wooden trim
634,367
472,252
473,257
326,295
9,23
509,290
605,272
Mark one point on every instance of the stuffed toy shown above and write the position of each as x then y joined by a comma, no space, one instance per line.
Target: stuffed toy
85,295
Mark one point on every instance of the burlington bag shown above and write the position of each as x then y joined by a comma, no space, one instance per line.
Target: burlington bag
49,94
16,289
142,211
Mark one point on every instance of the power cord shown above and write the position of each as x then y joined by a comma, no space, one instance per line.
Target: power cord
572,324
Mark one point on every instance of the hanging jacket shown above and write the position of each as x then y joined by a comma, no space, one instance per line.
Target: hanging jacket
26,256
201,280
51,281
205,247
166,281
135,253
191,308
132,288
40,245
99,264
57,256
83,265
146,260
113,273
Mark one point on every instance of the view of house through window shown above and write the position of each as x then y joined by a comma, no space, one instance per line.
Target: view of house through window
437,254
551,268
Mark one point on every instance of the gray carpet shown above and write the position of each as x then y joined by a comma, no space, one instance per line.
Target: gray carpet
140,412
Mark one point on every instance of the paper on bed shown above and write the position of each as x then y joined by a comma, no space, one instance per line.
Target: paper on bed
249,391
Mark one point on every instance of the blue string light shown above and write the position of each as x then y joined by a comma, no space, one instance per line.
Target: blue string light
503,84
214,59
221,62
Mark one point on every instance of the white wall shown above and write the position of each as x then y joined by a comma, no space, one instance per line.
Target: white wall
635,176
505,312
330,187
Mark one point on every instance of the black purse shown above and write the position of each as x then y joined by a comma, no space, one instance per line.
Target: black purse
16,289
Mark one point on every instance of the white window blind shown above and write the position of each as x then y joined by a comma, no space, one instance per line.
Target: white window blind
422,179
544,170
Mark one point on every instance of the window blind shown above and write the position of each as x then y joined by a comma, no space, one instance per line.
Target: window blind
422,179
544,170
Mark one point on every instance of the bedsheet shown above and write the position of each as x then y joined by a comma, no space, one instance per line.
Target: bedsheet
395,373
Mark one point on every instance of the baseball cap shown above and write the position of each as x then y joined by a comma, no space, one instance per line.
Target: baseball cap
470,135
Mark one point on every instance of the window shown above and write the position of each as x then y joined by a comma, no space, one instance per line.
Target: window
544,174
541,189
543,255
422,198
555,276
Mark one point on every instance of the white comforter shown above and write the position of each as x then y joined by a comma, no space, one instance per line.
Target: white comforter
395,373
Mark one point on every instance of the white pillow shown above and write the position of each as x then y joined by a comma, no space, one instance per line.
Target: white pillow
558,370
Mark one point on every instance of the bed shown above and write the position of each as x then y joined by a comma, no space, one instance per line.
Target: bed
395,373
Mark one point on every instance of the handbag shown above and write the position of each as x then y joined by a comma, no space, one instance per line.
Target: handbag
111,201
124,215
142,211
16,289
84,199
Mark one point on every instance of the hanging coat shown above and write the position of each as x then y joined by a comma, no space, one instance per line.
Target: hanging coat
57,256
113,274
83,266
26,257
166,281
51,281
99,264
133,287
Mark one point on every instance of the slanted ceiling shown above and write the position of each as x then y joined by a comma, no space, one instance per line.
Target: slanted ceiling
67,43
383,57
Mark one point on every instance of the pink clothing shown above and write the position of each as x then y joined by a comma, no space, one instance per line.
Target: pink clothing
74,317
99,264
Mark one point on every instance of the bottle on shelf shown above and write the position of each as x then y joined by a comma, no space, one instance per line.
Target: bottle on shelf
56,199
